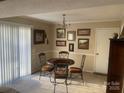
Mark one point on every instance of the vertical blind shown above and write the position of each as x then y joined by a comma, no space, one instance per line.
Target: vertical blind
15,51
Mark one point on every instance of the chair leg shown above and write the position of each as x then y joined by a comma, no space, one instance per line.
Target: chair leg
50,78
66,86
40,75
66,89
82,77
54,85
54,88
71,77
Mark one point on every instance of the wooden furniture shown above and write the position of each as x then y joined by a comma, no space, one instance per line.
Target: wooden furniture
45,68
61,60
115,75
78,70
63,54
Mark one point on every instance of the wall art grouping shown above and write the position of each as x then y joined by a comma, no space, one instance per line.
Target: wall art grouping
81,37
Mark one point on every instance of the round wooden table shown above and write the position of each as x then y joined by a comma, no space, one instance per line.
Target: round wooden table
61,61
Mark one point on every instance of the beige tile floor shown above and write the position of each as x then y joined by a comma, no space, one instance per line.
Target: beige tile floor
31,84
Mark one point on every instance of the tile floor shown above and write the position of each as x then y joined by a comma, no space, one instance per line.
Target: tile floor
31,84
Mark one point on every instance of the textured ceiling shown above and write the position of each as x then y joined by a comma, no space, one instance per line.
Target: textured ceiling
97,14
26,7
73,8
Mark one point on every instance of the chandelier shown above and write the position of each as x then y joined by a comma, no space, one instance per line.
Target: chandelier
61,31
64,25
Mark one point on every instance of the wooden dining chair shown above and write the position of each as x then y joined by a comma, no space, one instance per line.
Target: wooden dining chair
63,54
74,70
60,72
45,67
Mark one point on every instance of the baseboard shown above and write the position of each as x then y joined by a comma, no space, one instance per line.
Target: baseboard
98,73
87,71
35,71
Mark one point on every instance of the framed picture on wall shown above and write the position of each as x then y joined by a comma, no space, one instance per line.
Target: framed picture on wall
71,47
60,33
71,35
60,43
39,36
83,32
83,43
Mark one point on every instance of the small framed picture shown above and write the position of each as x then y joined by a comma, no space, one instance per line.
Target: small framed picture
83,32
71,47
39,36
60,33
83,43
71,35
60,43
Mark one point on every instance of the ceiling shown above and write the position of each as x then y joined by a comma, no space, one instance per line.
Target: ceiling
94,14
52,10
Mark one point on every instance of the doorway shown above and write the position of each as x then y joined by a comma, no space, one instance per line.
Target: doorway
102,48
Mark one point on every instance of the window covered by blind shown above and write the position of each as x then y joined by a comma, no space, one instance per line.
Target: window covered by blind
15,51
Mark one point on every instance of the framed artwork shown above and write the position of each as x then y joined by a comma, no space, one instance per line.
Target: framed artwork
60,43
71,47
71,35
83,43
39,36
60,32
83,32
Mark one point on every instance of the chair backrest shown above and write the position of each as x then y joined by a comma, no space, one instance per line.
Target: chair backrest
42,57
61,70
63,54
82,61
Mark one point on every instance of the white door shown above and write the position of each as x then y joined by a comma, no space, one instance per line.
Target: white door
102,48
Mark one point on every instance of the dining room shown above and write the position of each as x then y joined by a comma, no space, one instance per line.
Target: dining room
78,40
68,51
